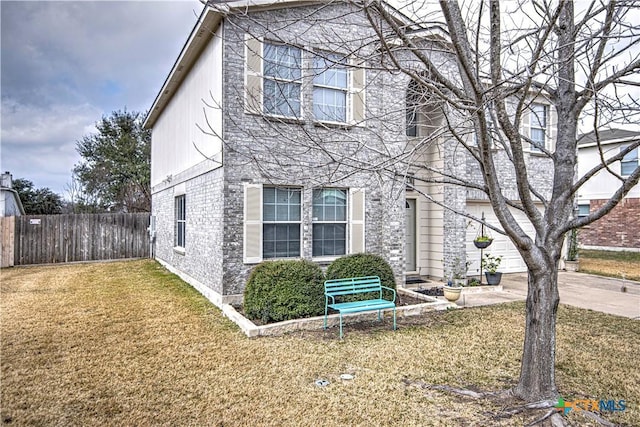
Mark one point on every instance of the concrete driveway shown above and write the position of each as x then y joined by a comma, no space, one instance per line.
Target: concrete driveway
604,294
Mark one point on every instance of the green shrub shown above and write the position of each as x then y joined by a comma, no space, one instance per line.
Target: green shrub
283,290
358,265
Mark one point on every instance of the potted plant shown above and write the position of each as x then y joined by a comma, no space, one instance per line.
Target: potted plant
451,291
482,241
572,263
490,264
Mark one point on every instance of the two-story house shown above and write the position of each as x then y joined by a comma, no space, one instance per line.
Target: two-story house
276,135
620,229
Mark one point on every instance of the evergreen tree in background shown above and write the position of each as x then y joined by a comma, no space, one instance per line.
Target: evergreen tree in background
114,173
37,201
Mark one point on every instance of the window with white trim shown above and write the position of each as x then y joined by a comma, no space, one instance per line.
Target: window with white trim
281,221
273,227
273,83
538,126
329,222
413,101
583,209
330,88
282,71
629,162
180,221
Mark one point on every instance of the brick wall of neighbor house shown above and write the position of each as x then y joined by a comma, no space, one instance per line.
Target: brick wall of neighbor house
620,228
202,259
268,151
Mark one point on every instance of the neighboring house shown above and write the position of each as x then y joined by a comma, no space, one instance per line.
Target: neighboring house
233,184
620,228
10,204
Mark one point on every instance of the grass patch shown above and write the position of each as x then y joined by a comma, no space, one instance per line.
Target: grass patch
611,263
128,343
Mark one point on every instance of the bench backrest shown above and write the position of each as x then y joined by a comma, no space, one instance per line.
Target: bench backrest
352,285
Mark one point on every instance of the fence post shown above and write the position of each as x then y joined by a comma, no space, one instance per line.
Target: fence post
7,228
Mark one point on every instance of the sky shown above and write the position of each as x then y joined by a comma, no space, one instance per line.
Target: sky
64,65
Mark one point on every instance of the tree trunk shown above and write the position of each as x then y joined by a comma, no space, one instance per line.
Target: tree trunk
537,375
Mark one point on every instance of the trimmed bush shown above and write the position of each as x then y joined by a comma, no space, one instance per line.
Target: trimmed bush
284,290
364,264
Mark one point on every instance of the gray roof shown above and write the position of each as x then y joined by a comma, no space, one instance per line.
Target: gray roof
607,136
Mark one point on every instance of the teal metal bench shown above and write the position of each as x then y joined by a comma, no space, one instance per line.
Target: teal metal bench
337,288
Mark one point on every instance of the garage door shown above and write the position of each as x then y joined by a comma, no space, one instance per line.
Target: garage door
511,260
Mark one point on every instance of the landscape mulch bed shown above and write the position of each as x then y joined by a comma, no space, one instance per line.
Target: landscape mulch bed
401,301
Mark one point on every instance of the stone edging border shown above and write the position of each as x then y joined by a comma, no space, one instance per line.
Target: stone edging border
316,323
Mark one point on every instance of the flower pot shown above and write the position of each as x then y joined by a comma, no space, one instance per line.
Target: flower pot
493,278
452,293
572,266
483,244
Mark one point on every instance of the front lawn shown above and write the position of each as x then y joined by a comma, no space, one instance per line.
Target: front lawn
611,263
127,343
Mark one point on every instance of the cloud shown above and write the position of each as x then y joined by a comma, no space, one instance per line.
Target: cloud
66,64
38,142
72,49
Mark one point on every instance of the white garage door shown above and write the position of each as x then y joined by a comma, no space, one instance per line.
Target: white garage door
511,260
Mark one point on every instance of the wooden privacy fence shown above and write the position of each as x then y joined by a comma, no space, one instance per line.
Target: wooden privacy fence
7,228
43,239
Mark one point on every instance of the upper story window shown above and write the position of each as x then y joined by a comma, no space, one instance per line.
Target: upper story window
330,88
629,162
282,71
273,83
329,222
180,220
413,102
281,221
538,123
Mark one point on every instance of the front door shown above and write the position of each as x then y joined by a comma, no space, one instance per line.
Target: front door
410,235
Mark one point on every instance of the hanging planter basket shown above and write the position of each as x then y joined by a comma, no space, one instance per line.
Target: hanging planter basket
483,239
482,244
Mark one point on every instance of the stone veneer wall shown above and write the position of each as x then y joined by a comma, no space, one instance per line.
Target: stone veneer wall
270,151
202,258
620,228
296,153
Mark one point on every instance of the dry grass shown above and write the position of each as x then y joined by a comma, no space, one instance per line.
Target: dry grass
612,264
129,344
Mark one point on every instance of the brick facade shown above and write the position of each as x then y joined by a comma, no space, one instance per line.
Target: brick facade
270,151
260,150
620,228
305,154
202,260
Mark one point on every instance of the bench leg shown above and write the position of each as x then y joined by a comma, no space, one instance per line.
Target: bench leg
379,316
341,335
325,317
394,318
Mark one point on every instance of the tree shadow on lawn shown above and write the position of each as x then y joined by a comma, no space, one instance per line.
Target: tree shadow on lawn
495,403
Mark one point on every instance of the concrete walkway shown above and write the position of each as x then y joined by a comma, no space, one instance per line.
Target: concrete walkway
604,294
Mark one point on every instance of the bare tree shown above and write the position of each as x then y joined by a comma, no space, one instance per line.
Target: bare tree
79,200
582,67
583,63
